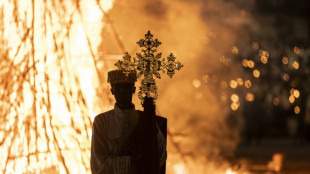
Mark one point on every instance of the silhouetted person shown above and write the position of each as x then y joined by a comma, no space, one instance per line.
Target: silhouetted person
125,140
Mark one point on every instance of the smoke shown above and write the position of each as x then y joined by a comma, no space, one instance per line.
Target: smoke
198,33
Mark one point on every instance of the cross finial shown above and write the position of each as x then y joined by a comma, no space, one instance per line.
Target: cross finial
148,64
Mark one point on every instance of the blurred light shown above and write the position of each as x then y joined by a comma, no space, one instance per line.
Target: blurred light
223,97
245,62
291,99
256,73
251,64
196,83
225,60
249,97
234,97
233,84
214,79
276,101
223,84
198,95
255,45
286,77
179,169
205,78
247,84
285,60
234,50
297,109
295,64
235,105
296,50
239,81
277,161
229,171
264,53
242,12
296,93
264,59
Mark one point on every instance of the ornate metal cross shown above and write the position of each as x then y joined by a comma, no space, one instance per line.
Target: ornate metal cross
148,64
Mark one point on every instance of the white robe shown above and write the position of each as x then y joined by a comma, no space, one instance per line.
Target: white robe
110,131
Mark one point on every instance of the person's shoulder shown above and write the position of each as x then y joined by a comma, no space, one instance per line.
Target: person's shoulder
103,116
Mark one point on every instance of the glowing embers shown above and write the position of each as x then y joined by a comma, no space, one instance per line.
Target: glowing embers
255,45
248,63
276,101
256,73
224,60
297,109
296,50
234,50
285,60
196,83
235,102
233,84
251,64
295,65
295,92
264,55
250,97
285,77
291,98
247,84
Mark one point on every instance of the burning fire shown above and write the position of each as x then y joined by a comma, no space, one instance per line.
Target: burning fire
49,51
53,81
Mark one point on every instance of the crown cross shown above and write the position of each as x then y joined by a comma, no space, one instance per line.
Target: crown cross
148,64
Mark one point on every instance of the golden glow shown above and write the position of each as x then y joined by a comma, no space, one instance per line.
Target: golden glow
297,109
233,84
242,12
223,97
249,97
247,84
55,107
235,105
239,81
180,168
291,99
296,93
234,50
214,79
245,62
264,59
296,50
223,84
196,83
264,53
198,95
276,101
251,64
285,60
286,77
234,98
256,73
206,78
229,171
255,45
295,64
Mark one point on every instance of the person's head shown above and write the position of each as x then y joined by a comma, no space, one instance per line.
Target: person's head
122,87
